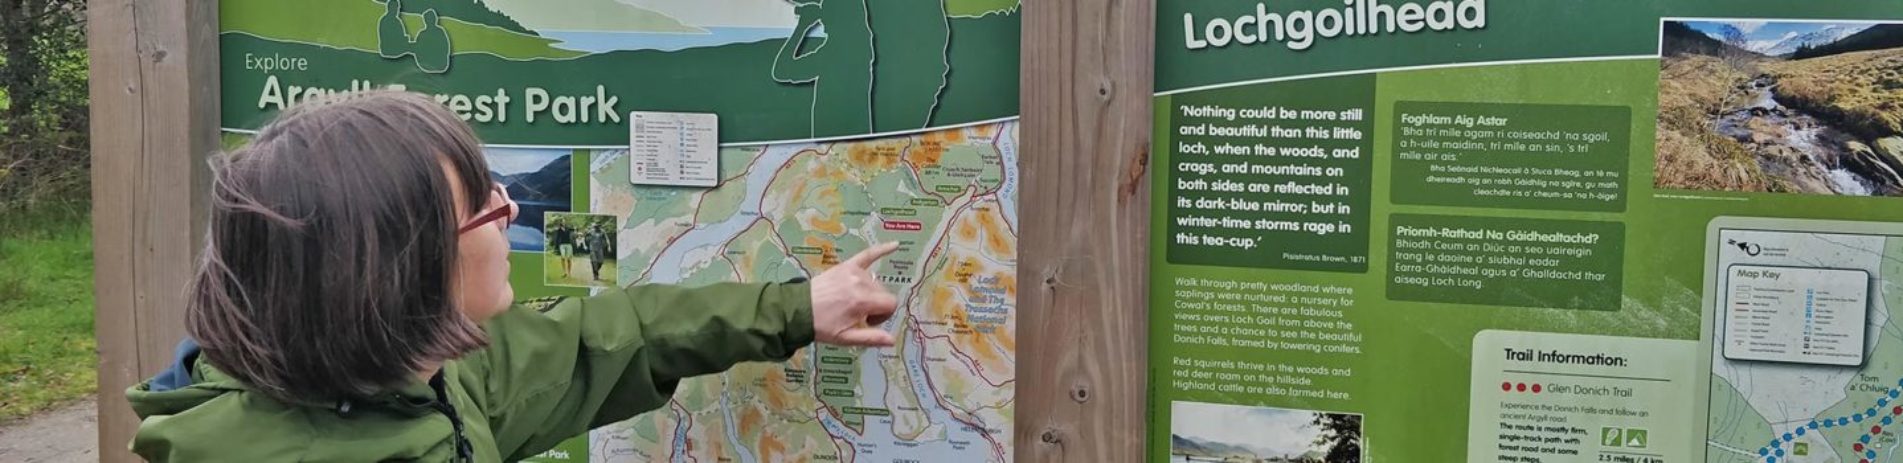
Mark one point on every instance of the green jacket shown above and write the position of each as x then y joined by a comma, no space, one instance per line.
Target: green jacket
546,376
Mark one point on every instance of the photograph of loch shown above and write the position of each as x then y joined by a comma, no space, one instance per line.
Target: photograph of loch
1211,433
1805,107
538,181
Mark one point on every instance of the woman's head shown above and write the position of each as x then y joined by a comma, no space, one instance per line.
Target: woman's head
339,264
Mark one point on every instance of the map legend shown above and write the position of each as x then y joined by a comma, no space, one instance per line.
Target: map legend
674,149
1795,314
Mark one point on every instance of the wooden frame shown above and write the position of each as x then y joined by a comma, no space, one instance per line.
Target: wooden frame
1087,91
1087,80
154,119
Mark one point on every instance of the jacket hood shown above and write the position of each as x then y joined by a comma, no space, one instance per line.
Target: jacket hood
194,412
190,382
182,386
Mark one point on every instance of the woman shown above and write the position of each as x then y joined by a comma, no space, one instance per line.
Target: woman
353,304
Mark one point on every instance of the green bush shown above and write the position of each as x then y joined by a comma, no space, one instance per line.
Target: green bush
44,144
46,290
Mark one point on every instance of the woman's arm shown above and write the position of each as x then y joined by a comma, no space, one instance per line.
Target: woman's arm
589,362
549,375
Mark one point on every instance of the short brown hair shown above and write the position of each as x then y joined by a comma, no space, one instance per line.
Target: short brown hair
332,241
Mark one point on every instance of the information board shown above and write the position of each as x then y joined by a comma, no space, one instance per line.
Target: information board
773,139
1527,231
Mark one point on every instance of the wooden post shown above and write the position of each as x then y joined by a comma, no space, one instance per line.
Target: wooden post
1082,316
154,119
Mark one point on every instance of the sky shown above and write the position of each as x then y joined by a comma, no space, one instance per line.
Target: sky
511,161
1275,431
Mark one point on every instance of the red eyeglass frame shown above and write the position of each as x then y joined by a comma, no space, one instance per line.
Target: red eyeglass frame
507,211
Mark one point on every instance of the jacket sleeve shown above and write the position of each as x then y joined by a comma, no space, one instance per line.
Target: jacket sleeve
584,363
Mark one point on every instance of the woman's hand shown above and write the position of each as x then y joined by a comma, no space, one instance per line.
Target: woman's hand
849,304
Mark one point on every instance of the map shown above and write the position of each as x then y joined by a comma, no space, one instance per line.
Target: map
1807,363
840,124
944,393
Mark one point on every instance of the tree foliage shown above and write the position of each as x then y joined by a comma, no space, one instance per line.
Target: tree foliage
44,146
1341,435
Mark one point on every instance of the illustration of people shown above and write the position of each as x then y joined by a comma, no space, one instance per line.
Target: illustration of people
840,68
432,45
597,250
911,41
562,239
430,48
393,38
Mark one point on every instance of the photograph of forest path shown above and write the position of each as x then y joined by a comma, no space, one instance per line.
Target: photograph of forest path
1781,106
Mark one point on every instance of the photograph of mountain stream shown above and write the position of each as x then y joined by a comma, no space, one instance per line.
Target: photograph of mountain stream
1781,106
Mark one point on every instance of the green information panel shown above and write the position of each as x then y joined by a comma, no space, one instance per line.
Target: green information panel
1548,231
701,141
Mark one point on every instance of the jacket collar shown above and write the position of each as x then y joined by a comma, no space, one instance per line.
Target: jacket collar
414,398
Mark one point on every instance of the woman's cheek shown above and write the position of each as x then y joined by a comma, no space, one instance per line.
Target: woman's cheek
505,292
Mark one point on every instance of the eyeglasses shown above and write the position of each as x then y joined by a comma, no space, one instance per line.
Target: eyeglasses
503,214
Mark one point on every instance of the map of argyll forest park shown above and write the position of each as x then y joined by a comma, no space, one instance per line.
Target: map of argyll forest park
1807,354
945,393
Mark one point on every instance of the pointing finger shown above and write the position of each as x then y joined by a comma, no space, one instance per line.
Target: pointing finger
867,337
878,319
865,259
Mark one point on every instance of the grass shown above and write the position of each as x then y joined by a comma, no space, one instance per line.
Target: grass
47,352
1863,91
273,19
577,272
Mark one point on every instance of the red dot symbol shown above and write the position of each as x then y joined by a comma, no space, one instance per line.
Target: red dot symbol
1897,411
1857,446
1521,387
1506,386
1536,388
1876,430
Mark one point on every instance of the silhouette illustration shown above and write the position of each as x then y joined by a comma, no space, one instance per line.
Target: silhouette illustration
432,45
430,48
393,38
911,41
840,68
